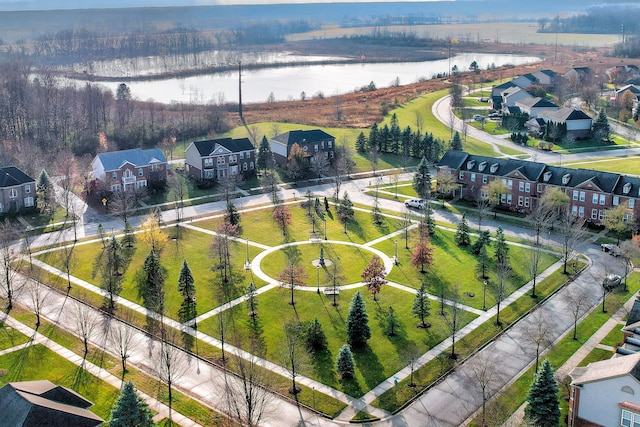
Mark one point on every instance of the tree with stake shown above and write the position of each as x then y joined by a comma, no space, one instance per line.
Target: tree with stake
501,249
503,272
543,408
292,355
170,365
421,306
578,300
373,276
344,363
452,321
122,340
129,237
130,410
358,332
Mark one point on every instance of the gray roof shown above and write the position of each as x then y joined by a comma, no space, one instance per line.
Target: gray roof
547,72
12,176
605,181
631,88
536,102
23,404
634,314
114,160
302,136
482,164
205,148
564,114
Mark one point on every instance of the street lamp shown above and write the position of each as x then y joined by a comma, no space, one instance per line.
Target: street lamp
318,278
395,257
247,263
484,295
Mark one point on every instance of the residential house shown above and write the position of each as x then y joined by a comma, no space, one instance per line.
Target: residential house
579,75
626,72
496,94
42,403
313,143
219,158
547,79
533,106
633,89
525,80
536,127
577,121
512,95
17,191
590,192
604,393
631,331
129,170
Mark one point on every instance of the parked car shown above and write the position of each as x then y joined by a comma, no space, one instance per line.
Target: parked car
611,249
484,99
611,281
415,203
478,117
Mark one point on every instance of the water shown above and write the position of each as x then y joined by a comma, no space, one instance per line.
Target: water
288,83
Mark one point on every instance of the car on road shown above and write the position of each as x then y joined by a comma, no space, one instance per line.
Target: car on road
478,117
611,249
415,203
611,281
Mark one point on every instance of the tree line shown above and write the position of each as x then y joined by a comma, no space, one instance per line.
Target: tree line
605,19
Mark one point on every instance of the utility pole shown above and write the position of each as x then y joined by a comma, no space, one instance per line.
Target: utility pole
240,88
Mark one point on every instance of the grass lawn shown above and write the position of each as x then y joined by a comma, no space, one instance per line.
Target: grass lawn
596,355
381,358
626,165
450,258
193,246
9,337
259,226
614,338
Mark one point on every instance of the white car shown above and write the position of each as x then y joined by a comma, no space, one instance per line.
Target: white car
415,203
478,117
612,249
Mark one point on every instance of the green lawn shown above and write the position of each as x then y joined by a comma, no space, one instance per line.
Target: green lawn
9,337
381,358
625,165
614,338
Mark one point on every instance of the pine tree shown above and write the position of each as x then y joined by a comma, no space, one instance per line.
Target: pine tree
484,239
374,136
151,282
462,234
601,128
315,337
361,143
482,264
252,299
358,331
129,238
345,364
421,305
422,179
264,154
501,249
232,216
456,142
101,235
345,211
185,282
129,410
111,277
45,191
543,408
391,323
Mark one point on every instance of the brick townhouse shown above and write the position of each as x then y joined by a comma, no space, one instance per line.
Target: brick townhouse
17,191
590,192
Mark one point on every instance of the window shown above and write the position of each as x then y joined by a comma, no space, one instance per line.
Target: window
595,199
233,159
28,202
155,167
461,175
329,143
208,174
509,199
484,179
220,160
510,184
305,148
626,188
583,196
566,178
322,145
241,155
632,203
594,213
244,166
208,162
503,198
601,214
13,193
27,189
527,187
128,173
574,210
315,148
616,200
114,176
630,419
483,194
547,176
521,186
115,188
539,188
140,172
141,183
575,194
627,217
627,389
526,202
473,177
0,207
520,201
581,211
603,199
251,165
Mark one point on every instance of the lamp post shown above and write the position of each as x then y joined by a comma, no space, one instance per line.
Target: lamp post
484,295
318,278
395,257
247,263
325,227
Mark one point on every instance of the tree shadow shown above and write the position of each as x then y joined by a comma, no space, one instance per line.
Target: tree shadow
355,228
351,387
324,366
369,366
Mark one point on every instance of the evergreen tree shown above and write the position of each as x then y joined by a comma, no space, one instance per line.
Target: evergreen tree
264,154
345,364
372,141
482,265
151,283
232,216
358,331
421,305
315,337
101,235
129,410
501,249
111,262
428,221
456,142
543,408
129,237
326,204
601,128
45,191
462,234
345,211
361,143
422,179
185,282
484,239
391,323
252,299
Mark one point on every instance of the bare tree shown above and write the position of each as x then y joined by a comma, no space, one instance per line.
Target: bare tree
571,230
503,272
178,184
484,378
86,321
538,333
125,203
11,262
170,364
482,207
532,264
38,296
68,260
292,353
122,340
227,184
452,320
577,298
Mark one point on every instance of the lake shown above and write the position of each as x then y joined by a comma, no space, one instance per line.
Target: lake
288,83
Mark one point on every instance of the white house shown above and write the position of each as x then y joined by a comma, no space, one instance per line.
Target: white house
578,122
534,106
525,80
546,78
604,393
513,94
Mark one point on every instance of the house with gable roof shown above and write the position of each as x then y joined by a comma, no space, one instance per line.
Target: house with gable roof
17,191
546,78
219,158
577,121
129,170
534,106
42,403
525,80
512,95
604,393
313,142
